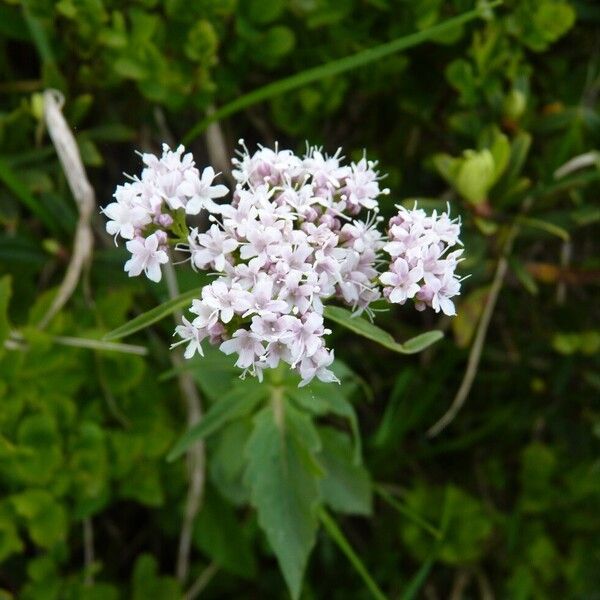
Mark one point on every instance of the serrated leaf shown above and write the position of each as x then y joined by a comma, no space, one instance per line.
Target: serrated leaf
376,334
227,461
282,475
346,486
323,398
152,316
239,402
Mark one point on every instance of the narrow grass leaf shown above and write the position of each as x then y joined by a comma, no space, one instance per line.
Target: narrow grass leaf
152,316
550,228
339,538
366,329
407,512
22,193
335,67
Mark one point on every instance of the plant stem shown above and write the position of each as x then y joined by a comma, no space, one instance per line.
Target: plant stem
407,512
338,537
196,457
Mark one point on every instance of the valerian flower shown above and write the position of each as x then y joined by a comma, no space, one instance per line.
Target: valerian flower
298,231
146,256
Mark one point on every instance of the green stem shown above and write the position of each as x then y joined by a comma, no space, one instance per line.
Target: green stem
338,537
407,512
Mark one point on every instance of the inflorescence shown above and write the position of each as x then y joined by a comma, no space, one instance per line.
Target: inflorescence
290,239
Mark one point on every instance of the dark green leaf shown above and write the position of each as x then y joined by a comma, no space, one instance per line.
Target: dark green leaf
346,486
153,315
282,474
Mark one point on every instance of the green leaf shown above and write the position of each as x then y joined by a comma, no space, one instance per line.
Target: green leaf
476,175
46,519
147,583
500,149
323,398
240,402
143,484
346,486
519,151
550,228
227,462
152,316
282,474
39,449
22,193
263,11
330,69
372,332
10,542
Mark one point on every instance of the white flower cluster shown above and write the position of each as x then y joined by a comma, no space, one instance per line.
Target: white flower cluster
290,238
287,241
145,206
421,266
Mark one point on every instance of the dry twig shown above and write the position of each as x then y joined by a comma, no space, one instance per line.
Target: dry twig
88,551
83,193
482,328
203,580
195,455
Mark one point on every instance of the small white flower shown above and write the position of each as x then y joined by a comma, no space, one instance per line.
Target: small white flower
403,280
146,257
191,335
125,219
200,191
211,248
246,344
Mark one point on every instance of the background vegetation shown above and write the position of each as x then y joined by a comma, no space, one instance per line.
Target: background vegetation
497,116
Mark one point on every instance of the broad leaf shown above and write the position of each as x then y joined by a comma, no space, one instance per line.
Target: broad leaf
282,475
346,486
227,462
241,401
323,398
152,316
372,332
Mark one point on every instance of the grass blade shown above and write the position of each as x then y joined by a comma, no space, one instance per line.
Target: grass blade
366,329
340,539
152,316
416,583
335,67
22,193
407,512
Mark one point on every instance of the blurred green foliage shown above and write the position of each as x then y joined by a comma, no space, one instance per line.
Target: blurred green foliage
488,117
